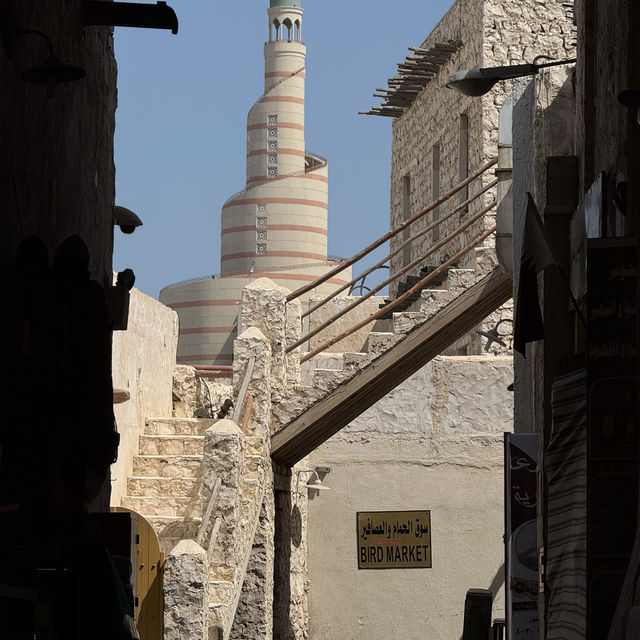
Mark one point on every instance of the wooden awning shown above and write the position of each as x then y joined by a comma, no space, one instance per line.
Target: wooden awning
417,70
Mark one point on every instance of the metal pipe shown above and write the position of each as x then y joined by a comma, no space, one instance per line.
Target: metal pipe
433,225
397,301
402,271
394,232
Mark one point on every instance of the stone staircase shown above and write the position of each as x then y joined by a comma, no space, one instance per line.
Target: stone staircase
169,488
166,483
443,320
327,371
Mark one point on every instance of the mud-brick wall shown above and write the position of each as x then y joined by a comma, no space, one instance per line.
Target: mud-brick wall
492,33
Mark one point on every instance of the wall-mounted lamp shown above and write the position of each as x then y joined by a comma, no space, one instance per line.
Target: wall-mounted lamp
317,483
126,219
478,81
493,336
630,98
52,70
131,14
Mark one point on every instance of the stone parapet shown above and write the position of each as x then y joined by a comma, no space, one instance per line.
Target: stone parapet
186,592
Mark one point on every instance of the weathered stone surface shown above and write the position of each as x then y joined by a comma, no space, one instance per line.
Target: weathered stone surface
379,342
224,459
252,343
353,343
188,507
460,279
168,466
293,332
186,592
264,308
432,300
254,612
176,426
171,445
143,486
185,390
293,404
195,396
406,321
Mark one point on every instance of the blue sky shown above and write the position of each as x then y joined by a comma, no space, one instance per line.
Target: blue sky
181,122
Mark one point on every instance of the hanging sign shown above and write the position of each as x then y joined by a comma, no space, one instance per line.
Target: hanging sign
394,539
521,464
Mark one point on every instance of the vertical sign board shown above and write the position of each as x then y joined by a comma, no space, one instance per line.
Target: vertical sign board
394,539
521,461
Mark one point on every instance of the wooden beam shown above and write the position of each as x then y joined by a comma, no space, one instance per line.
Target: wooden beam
327,416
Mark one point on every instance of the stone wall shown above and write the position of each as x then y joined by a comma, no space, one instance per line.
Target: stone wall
57,175
356,341
144,358
436,443
493,32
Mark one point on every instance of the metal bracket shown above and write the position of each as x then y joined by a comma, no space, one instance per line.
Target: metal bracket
130,14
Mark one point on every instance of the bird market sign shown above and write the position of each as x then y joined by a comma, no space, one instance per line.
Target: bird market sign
394,539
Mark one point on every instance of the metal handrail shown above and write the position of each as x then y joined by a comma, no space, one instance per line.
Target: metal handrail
395,276
409,240
204,524
419,285
394,232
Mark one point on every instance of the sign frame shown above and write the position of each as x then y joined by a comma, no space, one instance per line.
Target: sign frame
397,527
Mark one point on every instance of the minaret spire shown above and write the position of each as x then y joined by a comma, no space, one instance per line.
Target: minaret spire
287,185
276,227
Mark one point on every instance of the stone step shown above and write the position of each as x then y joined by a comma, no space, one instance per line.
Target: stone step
158,486
177,426
461,279
432,300
405,321
167,466
163,445
378,342
165,506
486,260
329,379
170,529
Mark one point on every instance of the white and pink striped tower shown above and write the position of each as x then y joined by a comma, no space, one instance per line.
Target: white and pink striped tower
277,226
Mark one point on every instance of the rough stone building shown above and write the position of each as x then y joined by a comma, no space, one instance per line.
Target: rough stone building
575,135
228,498
436,441
276,227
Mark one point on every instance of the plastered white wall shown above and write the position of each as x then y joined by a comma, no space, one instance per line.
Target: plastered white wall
144,357
433,443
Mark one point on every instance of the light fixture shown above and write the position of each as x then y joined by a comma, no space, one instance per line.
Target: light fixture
630,98
53,70
478,81
493,336
130,14
317,483
126,219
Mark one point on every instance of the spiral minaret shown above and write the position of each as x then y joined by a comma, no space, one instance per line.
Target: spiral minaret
276,226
